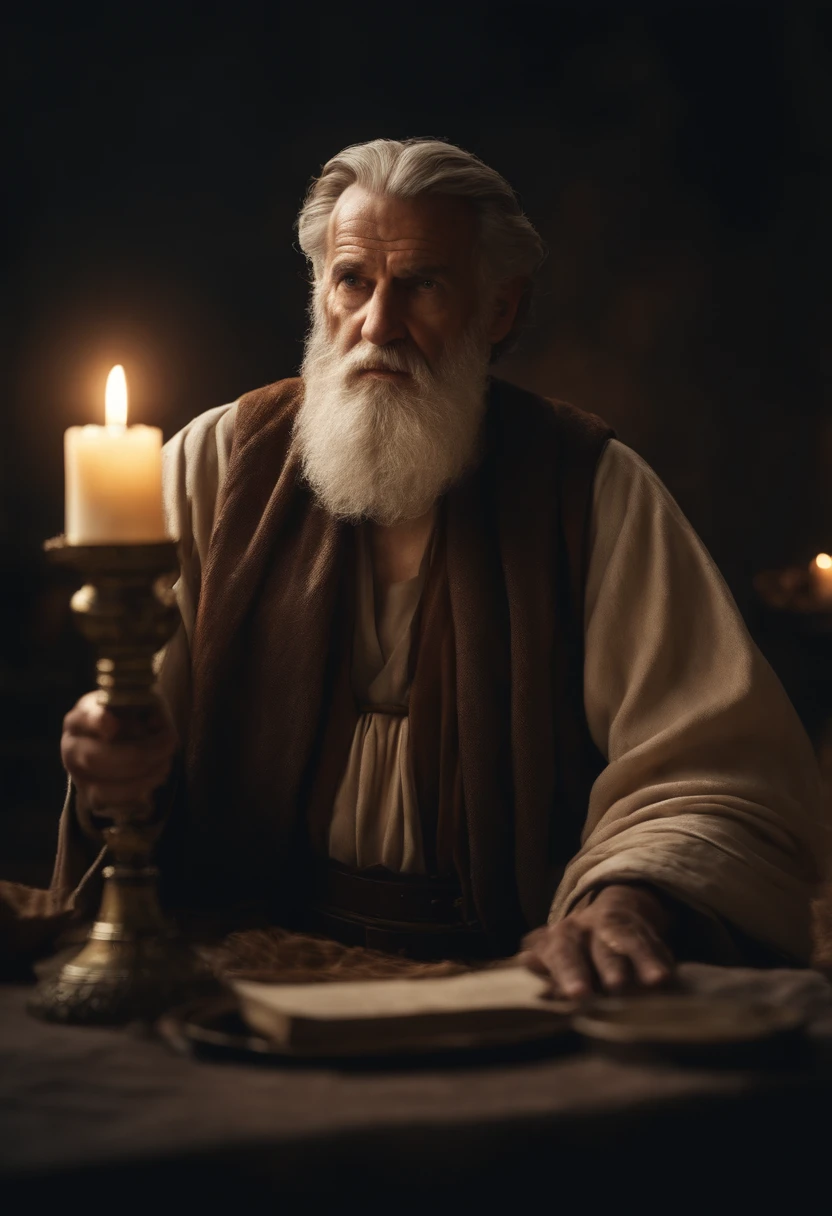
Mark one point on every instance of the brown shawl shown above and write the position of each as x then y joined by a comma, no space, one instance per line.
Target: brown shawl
502,756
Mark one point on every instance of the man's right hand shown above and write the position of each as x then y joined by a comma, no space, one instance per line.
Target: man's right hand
107,768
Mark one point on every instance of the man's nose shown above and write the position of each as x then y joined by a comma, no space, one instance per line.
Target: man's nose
384,320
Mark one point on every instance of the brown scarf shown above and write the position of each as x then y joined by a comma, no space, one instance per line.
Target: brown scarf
501,753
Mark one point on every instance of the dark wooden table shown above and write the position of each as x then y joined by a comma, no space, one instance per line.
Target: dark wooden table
93,1115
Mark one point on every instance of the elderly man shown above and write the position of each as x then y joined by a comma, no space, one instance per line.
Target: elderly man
453,666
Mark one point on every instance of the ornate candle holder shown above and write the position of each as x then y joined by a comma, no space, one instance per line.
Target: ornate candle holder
133,965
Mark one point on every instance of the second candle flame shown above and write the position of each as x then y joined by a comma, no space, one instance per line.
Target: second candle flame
115,398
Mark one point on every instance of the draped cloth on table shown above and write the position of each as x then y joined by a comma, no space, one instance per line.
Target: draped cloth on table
501,752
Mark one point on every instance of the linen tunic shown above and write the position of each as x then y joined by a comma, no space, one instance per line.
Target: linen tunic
375,818
711,790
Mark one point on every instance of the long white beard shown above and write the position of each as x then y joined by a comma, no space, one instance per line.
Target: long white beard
380,450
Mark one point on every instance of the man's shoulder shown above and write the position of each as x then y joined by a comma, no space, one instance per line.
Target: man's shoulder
626,484
267,414
538,416
205,428
213,430
279,394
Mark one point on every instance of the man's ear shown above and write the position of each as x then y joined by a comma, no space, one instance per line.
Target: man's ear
506,302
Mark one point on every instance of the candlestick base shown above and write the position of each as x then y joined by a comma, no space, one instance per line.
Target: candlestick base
133,965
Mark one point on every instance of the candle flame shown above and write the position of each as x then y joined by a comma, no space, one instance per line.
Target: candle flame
823,561
115,397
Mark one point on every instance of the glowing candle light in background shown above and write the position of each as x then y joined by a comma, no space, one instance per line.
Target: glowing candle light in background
114,476
820,573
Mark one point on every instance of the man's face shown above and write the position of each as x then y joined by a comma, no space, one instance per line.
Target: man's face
400,273
396,360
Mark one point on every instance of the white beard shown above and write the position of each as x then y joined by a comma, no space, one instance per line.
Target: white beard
380,450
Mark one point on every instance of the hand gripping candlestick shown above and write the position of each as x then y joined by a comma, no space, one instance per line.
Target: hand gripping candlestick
133,965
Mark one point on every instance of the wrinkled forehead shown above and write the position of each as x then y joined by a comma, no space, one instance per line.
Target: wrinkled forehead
432,228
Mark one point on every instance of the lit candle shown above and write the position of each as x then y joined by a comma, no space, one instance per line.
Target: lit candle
114,477
820,572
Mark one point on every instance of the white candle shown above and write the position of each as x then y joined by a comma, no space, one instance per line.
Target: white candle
820,573
114,477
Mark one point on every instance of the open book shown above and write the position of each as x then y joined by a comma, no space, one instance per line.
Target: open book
481,1008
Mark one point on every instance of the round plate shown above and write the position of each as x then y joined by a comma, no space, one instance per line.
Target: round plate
677,1025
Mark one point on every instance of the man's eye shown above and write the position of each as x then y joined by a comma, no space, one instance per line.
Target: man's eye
349,280
427,283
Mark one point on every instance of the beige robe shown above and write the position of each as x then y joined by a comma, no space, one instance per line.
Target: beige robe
711,791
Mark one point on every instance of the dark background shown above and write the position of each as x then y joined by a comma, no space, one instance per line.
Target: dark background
675,157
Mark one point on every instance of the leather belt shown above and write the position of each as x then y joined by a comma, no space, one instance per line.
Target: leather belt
393,710
382,895
412,915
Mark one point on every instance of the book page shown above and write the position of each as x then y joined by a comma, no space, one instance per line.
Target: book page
502,988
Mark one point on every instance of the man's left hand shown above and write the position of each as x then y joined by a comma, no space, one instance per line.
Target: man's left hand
614,939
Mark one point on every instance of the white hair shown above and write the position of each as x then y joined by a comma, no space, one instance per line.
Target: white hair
510,245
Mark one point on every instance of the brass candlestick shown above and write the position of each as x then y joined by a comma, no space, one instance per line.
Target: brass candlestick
133,965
